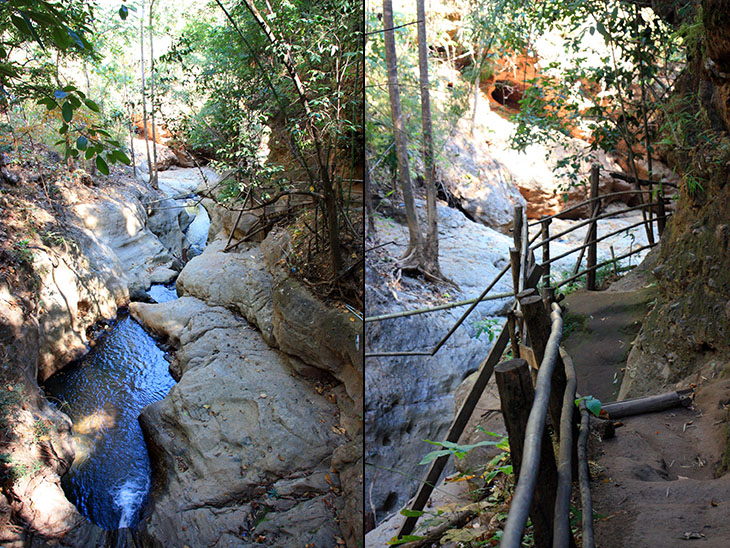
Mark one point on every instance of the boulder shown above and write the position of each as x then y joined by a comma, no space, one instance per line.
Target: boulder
237,424
120,223
479,182
325,337
238,281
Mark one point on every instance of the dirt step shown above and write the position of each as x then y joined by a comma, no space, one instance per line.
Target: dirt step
655,482
599,327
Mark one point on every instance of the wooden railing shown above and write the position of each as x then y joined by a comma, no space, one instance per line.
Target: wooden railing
535,318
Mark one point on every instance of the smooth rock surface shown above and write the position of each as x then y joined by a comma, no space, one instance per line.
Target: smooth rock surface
238,421
238,281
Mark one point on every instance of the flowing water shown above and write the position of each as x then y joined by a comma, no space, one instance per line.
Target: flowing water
104,394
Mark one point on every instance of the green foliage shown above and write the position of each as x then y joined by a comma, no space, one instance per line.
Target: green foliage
612,90
449,100
592,404
41,429
89,139
22,252
459,451
488,326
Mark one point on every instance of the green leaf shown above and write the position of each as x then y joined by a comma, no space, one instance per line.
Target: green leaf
8,70
60,38
123,12
63,129
20,24
407,512
42,18
32,30
92,105
90,153
82,142
75,102
75,37
119,155
102,165
67,111
433,455
592,404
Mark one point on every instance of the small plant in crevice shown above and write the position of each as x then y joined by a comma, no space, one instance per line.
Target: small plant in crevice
488,326
22,253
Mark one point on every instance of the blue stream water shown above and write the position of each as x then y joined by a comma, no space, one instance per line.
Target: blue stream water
104,394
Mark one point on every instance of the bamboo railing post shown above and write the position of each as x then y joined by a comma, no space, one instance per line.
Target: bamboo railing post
516,395
593,231
545,229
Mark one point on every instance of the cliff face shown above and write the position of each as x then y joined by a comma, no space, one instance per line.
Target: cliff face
686,334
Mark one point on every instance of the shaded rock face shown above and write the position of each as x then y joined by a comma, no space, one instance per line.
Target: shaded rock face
121,224
410,399
238,426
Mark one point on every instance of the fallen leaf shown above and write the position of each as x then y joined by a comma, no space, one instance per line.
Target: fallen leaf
206,406
262,395
714,502
689,535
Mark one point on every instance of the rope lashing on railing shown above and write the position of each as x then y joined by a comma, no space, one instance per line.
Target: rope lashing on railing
525,489
561,521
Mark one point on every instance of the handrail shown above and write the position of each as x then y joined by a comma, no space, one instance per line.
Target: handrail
561,520
586,202
584,478
604,263
447,306
525,489
573,250
455,326
593,219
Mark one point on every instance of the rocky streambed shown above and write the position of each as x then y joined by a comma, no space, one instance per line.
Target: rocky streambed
259,443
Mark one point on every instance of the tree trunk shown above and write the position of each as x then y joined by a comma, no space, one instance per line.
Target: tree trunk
144,99
368,198
431,250
152,101
413,255
325,180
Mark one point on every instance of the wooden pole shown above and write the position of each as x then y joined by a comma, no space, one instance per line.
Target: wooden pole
456,429
545,228
516,395
538,326
512,326
593,231
517,228
648,404
661,218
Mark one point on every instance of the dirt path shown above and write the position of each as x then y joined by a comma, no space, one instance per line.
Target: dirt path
654,484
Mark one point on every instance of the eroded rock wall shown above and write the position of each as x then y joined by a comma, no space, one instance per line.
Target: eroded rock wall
687,334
